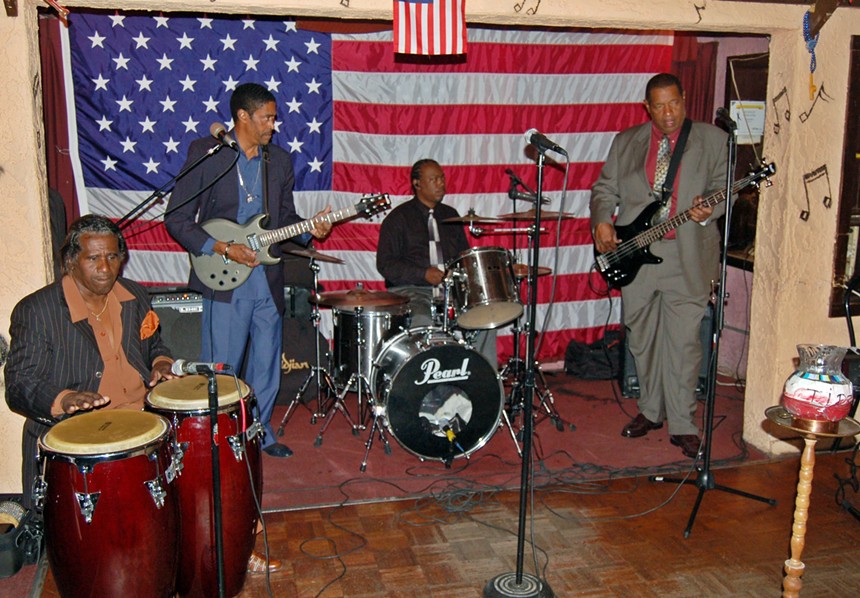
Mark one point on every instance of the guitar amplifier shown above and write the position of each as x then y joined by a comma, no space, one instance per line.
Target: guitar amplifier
180,314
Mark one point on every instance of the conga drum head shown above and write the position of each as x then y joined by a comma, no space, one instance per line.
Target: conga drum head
110,510
191,393
104,432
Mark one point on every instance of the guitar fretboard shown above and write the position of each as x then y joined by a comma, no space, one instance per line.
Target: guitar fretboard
282,234
657,232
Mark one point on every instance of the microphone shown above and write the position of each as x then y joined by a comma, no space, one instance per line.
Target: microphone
535,138
514,194
724,119
180,367
219,132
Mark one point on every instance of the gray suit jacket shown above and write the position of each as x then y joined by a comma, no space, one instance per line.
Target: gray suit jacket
623,184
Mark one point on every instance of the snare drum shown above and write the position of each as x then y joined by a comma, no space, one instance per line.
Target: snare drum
483,288
441,399
185,403
357,336
111,513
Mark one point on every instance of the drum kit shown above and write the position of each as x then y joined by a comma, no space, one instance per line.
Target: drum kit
426,386
127,496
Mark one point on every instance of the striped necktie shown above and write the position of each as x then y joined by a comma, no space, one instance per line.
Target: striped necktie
436,257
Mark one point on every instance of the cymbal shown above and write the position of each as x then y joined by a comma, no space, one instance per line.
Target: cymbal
315,255
530,215
469,219
359,298
522,271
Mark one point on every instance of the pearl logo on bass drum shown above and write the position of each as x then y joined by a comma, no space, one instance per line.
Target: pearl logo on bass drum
433,374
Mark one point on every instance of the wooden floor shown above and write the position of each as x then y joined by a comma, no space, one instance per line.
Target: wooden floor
616,538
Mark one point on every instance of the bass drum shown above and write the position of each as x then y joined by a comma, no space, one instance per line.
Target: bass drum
441,399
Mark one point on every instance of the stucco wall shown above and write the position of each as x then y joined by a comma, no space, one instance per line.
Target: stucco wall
793,258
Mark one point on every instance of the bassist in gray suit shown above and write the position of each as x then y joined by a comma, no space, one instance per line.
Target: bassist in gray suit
664,304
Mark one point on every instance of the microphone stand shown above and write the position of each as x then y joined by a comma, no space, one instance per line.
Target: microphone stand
704,479
160,192
216,480
519,584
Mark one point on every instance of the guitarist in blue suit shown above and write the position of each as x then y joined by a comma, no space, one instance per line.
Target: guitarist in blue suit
242,327
665,302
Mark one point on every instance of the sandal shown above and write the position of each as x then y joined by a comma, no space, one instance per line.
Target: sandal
257,563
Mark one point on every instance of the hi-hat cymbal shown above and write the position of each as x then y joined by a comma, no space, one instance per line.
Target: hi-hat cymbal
359,298
522,271
470,219
315,255
530,215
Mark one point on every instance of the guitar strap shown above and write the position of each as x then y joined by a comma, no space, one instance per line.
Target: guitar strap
265,174
669,183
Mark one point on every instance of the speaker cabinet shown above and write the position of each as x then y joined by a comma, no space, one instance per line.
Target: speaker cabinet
298,359
181,317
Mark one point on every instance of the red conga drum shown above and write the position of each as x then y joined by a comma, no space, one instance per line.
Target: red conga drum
185,403
111,514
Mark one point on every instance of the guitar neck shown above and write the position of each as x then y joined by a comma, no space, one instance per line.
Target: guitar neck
659,231
288,232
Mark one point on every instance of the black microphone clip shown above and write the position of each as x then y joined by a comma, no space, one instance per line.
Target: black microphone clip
725,119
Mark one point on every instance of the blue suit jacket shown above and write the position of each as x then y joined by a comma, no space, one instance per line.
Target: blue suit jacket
221,200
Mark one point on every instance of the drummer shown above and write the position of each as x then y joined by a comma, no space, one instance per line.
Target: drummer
88,341
403,254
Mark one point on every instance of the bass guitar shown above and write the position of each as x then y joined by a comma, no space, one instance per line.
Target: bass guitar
621,265
225,275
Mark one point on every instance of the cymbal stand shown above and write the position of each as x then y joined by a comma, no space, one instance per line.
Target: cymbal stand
515,370
317,373
359,380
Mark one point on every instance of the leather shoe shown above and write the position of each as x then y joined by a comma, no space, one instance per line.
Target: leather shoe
640,426
689,444
278,450
257,563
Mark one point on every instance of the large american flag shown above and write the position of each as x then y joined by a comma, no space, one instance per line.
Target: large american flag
355,119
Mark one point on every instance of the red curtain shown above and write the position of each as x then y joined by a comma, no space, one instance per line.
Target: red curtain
59,166
695,65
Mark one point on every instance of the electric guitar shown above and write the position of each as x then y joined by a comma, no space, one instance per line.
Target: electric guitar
225,275
621,265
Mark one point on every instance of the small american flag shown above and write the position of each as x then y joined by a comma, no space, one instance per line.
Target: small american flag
430,26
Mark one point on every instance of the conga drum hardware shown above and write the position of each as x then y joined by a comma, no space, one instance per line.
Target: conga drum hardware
111,518
185,402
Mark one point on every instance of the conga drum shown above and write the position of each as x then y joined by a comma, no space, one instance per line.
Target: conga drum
111,513
185,403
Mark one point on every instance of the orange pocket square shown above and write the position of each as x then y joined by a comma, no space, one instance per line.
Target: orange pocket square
149,325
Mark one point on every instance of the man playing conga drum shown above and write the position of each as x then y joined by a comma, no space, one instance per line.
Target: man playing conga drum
89,340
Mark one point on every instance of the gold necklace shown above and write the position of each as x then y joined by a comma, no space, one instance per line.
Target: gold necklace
98,316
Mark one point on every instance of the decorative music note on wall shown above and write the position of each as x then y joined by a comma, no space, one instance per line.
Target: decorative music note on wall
782,107
533,10
700,9
821,94
817,184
